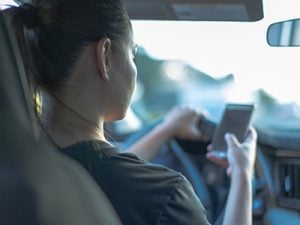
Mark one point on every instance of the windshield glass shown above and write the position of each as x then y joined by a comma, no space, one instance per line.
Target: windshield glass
207,64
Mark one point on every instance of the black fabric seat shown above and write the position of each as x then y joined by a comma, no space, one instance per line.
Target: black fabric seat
17,199
38,185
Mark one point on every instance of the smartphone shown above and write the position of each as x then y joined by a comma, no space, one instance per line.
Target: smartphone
236,120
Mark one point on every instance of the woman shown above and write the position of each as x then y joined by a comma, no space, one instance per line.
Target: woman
80,57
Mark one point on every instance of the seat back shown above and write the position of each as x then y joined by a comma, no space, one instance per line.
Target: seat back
34,175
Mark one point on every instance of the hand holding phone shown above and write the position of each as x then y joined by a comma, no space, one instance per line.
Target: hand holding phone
236,120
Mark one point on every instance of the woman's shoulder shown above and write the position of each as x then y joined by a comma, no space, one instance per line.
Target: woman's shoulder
102,156
119,172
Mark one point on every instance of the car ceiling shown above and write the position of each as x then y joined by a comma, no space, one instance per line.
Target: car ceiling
195,10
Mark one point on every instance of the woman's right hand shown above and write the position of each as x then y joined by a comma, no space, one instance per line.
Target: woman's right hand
240,156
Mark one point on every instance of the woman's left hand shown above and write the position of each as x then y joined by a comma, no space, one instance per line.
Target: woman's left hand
182,122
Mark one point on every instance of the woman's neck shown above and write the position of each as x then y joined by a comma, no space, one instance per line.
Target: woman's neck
66,125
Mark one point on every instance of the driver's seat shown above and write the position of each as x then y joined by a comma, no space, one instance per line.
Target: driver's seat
38,185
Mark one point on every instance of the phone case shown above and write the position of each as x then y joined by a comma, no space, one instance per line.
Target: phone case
236,120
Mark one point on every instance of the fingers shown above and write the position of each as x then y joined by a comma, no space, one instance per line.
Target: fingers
198,117
239,155
182,113
217,157
251,136
195,134
209,147
188,111
229,171
205,125
184,123
232,141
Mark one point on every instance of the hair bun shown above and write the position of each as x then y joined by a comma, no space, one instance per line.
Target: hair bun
30,15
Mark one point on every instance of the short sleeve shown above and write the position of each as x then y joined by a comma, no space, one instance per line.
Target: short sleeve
183,207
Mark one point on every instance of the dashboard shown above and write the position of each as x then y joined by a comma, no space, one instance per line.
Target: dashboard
277,197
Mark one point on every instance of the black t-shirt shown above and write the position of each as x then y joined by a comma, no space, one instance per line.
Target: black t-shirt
141,193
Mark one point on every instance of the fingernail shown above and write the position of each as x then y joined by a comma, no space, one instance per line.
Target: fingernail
228,135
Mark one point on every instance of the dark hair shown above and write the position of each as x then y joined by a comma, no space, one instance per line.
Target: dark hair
51,33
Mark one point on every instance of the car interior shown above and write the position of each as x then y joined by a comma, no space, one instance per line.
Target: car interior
29,164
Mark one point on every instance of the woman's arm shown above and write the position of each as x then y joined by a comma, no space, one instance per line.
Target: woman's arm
240,164
239,203
180,122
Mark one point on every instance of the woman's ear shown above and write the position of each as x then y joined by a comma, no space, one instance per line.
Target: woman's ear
103,49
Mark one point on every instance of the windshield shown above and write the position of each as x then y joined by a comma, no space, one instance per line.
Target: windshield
207,64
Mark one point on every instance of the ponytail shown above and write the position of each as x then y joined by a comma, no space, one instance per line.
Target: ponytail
25,19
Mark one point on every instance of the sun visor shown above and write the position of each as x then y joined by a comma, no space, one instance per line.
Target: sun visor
195,10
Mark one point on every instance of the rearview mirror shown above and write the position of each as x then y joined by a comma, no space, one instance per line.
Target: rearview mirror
284,33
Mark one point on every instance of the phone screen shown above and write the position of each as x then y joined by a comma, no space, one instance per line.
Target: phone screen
236,120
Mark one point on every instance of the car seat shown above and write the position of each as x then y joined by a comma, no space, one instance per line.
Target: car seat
38,185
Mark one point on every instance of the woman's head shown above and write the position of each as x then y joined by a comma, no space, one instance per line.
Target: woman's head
54,34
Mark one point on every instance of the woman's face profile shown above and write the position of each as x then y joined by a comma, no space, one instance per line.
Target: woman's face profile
123,75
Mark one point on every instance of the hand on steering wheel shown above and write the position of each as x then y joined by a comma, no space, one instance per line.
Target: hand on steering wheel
183,122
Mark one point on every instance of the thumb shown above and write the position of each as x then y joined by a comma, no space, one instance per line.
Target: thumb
229,171
231,141
196,133
251,135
